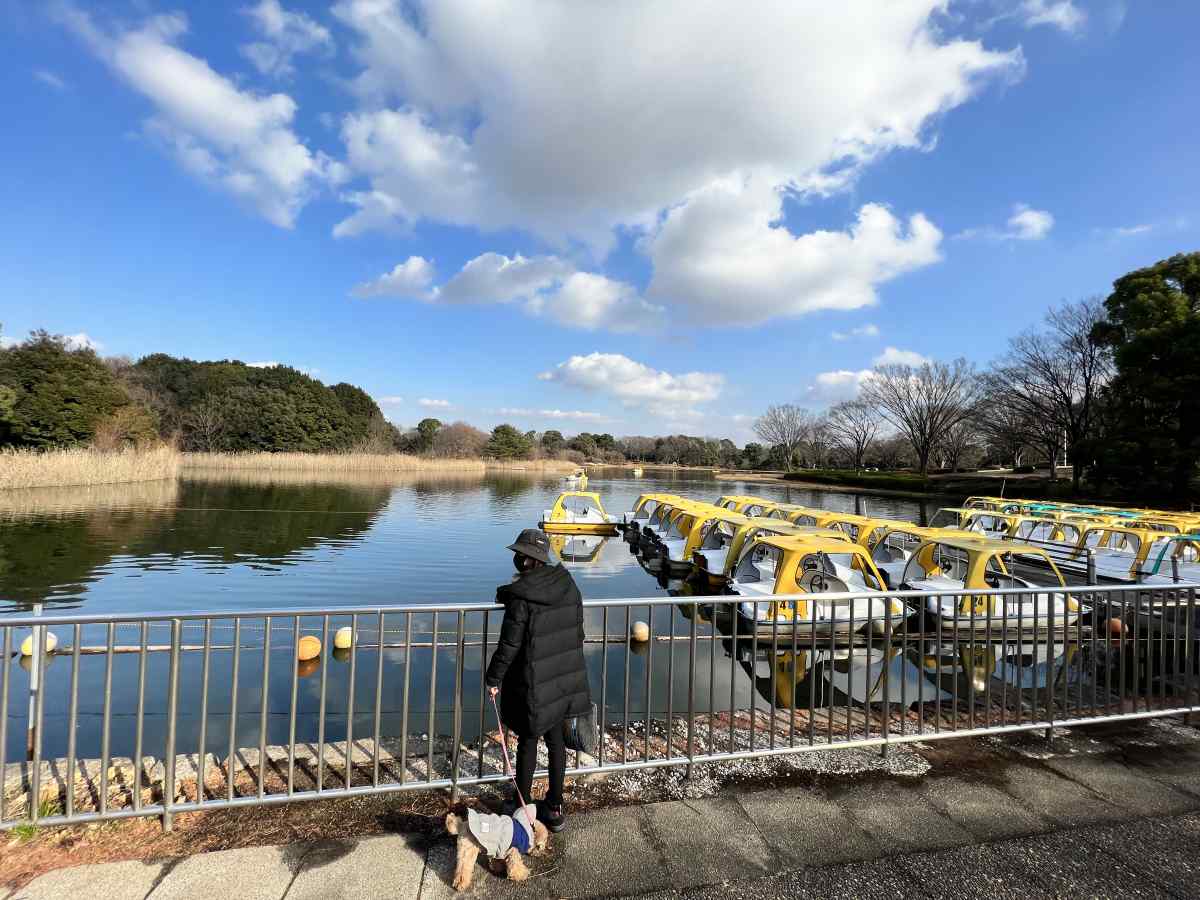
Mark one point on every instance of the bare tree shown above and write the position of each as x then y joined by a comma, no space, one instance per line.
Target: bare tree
923,402
459,440
854,425
1052,380
204,426
1003,427
960,441
785,426
821,441
892,451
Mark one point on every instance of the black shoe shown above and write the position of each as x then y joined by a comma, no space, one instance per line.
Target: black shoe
552,817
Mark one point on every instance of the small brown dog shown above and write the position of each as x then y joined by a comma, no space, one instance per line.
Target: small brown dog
500,838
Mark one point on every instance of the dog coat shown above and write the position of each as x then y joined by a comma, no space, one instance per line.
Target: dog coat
496,834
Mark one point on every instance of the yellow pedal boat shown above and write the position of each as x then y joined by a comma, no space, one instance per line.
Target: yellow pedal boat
578,512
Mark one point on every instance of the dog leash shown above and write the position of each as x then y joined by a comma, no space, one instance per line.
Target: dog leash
508,767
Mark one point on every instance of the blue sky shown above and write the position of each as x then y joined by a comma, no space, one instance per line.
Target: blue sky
622,217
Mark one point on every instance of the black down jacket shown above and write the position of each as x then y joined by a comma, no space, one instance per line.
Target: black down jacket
538,664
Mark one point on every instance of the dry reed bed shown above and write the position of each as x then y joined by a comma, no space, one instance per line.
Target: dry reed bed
327,463
84,466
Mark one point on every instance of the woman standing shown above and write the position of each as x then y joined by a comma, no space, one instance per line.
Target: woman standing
538,667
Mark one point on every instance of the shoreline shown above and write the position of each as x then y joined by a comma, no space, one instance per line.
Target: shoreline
762,478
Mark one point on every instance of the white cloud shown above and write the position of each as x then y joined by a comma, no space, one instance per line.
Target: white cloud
1025,224
285,34
635,384
869,330
410,279
836,386
235,139
575,414
590,301
571,120
1062,14
266,364
547,286
6,342
495,278
47,77
893,356
828,388
389,401
82,341
1129,231
427,403
724,257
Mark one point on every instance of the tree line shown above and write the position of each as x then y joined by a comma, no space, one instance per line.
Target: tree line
1110,387
53,394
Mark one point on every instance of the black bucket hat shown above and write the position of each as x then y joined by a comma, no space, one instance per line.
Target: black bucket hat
532,543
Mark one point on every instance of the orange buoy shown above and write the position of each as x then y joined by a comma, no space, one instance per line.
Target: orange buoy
308,648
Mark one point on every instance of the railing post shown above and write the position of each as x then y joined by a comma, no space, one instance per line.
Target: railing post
169,761
691,713
35,686
458,708
1091,566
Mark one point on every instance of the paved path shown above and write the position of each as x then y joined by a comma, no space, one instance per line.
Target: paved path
1117,822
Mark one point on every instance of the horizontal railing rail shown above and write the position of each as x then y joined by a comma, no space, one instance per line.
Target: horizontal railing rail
107,716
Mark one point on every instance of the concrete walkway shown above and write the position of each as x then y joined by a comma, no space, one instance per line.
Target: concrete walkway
1091,819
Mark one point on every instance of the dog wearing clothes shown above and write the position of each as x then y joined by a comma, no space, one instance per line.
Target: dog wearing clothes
502,838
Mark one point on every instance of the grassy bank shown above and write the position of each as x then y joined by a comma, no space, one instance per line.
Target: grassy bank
889,481
65,468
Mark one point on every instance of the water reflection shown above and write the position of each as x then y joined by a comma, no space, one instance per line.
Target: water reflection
861,676
208,527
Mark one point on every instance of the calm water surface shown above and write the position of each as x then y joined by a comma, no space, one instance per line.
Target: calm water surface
236,545
220,545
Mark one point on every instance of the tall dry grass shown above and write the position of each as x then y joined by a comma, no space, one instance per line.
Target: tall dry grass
88,466
325,464
83,466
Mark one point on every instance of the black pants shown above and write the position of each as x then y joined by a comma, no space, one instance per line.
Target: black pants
527,762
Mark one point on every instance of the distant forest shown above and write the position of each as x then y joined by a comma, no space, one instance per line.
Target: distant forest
56,395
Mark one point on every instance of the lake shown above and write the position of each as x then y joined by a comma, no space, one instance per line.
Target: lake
248,542
203,545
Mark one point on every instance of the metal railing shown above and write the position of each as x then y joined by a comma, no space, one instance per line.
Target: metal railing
140,715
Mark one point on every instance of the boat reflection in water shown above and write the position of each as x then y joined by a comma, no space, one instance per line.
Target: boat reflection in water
953,678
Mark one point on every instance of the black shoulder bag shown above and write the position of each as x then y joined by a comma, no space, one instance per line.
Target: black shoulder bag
580,733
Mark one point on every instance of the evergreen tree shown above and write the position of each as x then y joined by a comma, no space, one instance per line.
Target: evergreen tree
52,395
507,442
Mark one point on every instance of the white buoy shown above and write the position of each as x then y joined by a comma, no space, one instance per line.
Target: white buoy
49,644
640,632
343,639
